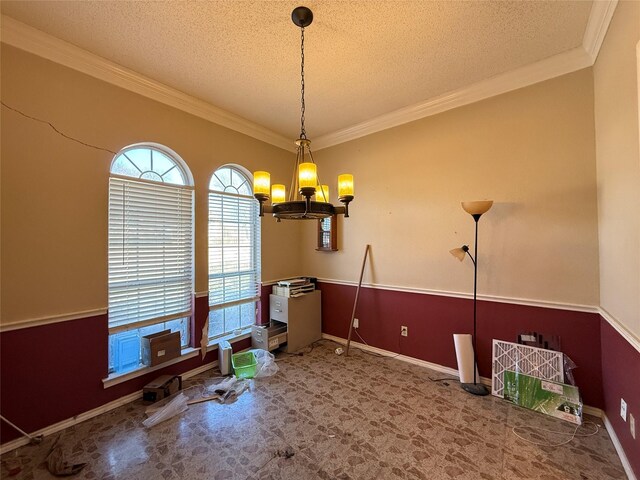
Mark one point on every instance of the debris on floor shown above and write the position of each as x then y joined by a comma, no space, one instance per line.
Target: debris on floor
225,391
177,405
229,389
58,465
13,466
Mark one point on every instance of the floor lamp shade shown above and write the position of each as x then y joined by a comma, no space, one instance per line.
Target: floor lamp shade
477,207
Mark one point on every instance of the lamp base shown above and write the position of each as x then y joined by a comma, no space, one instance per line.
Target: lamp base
475,389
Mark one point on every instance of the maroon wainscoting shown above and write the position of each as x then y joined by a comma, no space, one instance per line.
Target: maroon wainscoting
621,379
53,372
432,320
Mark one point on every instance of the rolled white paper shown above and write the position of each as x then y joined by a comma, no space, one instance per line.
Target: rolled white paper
464,356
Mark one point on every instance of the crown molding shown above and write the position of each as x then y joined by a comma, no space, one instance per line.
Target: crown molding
39,43
546,69
599,19
29,39
555,66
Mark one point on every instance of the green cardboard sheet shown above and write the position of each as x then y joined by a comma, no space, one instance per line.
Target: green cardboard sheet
551,398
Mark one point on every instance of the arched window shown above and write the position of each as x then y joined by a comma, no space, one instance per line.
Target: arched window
234,251
150,250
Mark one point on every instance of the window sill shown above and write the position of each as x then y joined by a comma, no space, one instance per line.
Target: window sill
231,337
117,378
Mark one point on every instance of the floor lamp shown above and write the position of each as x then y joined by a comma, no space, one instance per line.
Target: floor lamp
475,209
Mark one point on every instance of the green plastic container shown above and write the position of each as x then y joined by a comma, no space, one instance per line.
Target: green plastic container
244,364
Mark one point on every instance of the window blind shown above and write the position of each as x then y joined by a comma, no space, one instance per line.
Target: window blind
150,253
234,249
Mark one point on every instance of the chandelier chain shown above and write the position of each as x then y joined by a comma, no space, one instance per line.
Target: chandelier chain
303,133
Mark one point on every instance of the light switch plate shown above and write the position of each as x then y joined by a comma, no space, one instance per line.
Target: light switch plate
623,409
632,425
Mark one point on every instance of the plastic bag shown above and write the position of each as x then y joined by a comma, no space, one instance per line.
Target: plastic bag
229,389
569,366
226,384
266,363
174,407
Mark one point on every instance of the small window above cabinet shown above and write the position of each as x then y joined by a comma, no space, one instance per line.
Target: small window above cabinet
328,234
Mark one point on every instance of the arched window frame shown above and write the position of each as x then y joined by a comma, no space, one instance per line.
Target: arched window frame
150,264
233,292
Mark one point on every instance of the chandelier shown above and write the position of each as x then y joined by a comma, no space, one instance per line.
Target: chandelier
304,183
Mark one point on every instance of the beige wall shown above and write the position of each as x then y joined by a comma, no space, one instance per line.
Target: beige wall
531,151
618,166
54,191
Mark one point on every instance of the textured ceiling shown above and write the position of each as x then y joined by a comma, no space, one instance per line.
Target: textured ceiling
363,58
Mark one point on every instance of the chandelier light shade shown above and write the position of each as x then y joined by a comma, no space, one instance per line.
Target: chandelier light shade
345,185
322,195
261,182
278,193
305,182
308,175
476,209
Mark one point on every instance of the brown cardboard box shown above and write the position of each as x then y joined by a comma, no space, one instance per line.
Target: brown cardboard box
160,347
161,387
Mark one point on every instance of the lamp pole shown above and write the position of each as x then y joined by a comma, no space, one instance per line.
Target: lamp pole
475,388
475,293
475,209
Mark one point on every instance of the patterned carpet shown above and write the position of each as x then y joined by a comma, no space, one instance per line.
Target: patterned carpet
324,416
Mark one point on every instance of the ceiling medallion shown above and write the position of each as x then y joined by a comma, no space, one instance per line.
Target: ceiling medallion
305,183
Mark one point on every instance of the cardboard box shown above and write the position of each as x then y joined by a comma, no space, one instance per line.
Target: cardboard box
551,398
160,347
161,387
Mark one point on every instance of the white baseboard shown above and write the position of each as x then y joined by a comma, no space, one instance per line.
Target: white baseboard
618,446
597,412
415,361
69,422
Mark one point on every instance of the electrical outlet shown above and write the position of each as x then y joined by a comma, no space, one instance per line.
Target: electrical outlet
632,425
356,323
623,409
404,331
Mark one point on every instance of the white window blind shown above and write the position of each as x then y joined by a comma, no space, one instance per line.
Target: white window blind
234,249
150,253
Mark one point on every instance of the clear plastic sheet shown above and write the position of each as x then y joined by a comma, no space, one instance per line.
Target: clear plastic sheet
174,407
568,366
226,384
